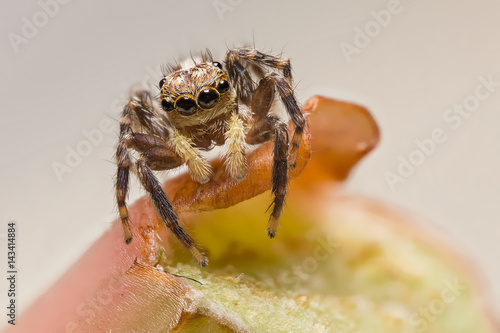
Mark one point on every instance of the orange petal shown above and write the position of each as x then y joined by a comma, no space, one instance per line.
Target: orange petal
343,133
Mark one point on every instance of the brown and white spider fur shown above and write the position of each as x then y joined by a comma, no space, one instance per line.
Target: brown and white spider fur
201,106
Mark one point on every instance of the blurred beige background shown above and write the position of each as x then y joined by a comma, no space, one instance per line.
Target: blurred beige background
426,70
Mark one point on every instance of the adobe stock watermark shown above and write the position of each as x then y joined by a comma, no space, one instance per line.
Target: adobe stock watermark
74,155
426,315
221,7
364,35
93,305
31,26
324,249
453,118
94,137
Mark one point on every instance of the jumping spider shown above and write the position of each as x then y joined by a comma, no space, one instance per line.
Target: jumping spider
204,105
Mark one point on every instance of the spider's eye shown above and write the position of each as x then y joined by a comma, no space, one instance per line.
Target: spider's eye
208,98
223,86
167,105
218,64
162,82
186,105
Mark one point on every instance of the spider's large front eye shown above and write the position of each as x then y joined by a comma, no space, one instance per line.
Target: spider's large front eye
208,98
186,105
167,105
162,82
223,86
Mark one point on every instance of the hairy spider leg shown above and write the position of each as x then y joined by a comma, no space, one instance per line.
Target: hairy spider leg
155,154
166,211
240,61
266,128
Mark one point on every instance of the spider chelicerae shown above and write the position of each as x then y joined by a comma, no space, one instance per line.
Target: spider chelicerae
202,105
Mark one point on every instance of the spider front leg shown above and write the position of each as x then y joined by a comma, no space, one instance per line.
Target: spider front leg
266,128
156,155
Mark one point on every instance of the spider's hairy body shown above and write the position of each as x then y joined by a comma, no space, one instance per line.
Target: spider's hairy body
200,106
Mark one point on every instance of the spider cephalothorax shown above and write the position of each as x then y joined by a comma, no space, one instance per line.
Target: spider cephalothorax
200,106
197,94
